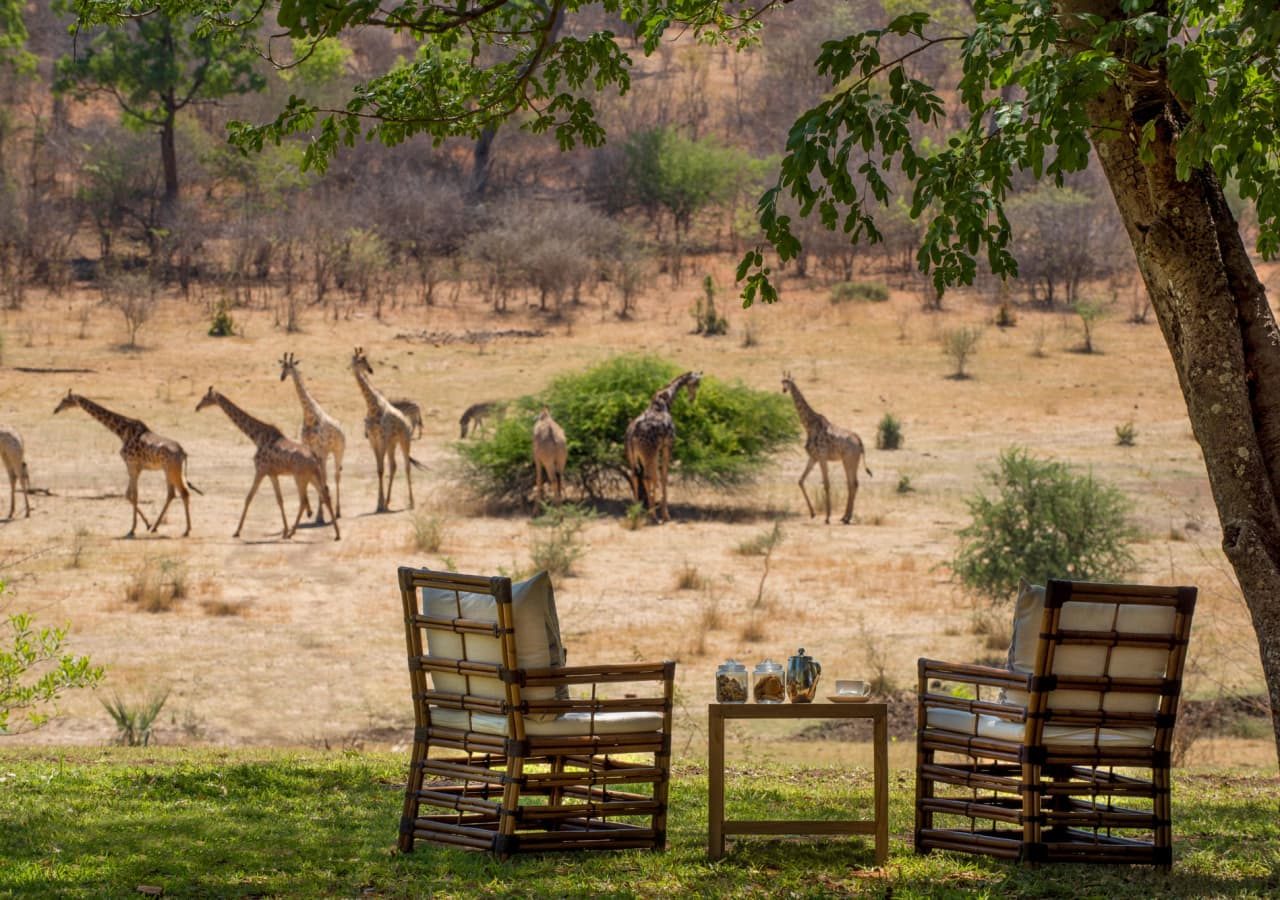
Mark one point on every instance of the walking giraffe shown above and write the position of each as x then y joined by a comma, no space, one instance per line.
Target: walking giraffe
648,443
11,453
142,449
825,443
411,411
386,428
275,455
550,453
320,433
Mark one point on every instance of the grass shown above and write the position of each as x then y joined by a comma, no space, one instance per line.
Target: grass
220,823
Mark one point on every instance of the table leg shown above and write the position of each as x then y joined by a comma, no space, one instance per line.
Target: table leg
880,741
715,784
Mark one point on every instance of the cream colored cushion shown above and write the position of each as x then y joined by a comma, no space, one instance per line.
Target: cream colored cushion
575,723
537,634
1124,662
967,723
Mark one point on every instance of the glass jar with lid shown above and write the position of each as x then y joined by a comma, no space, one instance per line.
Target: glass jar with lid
768,685
731,682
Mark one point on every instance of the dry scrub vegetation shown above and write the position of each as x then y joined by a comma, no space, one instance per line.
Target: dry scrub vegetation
300,641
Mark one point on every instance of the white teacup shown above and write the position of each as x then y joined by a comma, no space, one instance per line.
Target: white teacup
850,688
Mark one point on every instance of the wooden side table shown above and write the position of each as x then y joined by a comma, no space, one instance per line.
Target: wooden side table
719,827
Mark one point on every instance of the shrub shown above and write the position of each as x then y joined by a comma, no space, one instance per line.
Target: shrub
867,291
556,541
1005,317
157,585
428,532
904,484
134,721
1089,312
1126,434
959,344
888,433
707,322
762,543
34,671
222,325
722,439
1044,522
688,578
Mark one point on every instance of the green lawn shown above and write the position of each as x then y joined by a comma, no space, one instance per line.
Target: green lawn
222,823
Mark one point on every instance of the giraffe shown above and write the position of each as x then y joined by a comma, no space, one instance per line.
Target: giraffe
142,449
276,455
386,428
475,416
826,443
320,433
411,411
11,455
550,453
648,443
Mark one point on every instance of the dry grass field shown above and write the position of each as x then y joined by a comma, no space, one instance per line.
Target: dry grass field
301,641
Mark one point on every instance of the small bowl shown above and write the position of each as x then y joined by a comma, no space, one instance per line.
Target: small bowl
849,688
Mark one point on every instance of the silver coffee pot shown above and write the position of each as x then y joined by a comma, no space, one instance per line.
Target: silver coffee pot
803,672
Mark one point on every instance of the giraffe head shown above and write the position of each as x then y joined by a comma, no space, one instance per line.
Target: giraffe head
65,403
787,384
209,399
694,381
288,365
360,363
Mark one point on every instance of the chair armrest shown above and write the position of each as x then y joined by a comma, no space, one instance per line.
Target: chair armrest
601,674
979,677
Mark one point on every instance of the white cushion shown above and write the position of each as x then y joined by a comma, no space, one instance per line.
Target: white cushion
537,634
967,723
574,723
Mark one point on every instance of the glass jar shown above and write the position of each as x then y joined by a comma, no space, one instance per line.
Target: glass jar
731,682
767,683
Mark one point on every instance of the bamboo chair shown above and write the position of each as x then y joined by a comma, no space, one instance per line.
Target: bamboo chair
1071,762
503,760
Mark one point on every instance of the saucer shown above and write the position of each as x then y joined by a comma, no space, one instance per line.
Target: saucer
849,698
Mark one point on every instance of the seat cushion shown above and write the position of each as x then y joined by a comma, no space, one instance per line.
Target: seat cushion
537,637
559,726
967,723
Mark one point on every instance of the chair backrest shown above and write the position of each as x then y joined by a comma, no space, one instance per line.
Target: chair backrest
1110,656
474,635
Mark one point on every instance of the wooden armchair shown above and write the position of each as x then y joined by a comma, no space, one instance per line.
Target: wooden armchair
503,759
1071,761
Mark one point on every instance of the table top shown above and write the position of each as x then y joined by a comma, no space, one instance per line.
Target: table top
868,710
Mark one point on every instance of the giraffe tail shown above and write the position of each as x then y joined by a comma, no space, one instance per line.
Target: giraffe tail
188,480
418,465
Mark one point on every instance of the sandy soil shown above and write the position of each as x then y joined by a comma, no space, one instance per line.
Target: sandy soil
301,641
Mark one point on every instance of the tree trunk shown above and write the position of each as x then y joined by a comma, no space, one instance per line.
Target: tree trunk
169,159
1220,330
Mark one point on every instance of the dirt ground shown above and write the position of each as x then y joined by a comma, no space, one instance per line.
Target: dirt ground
301,641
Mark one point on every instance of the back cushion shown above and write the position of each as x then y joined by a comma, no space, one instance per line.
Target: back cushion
537,636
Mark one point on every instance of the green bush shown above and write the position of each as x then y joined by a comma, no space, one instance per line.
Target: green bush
222,325
869,291
888,433
1044,522
723,439
708,322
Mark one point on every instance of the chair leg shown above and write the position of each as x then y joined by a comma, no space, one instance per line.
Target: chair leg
505,839
412,787
1031,832
924,791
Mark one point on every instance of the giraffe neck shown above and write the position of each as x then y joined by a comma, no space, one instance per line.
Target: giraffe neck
668,393
310,409
812,420
258,431
123,426
375,401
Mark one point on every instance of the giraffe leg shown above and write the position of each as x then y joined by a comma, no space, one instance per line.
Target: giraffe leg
408,472
337,483
257,480
324,476
131,493
559,484
302,483
826,487
25,478
13,493
284,516
803,475
664,467
851,477
186,506
537,479
382,503
391,474
333,516
169,495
